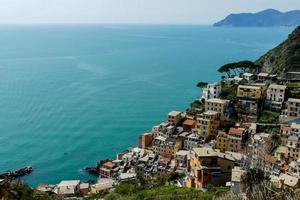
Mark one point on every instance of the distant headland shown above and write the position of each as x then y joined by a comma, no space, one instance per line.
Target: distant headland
265,18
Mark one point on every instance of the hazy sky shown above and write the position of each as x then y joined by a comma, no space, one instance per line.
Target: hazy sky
132,11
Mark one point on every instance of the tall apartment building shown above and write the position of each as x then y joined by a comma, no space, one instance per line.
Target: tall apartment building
218,105
276,95
208,123
293,107
211,91
235,139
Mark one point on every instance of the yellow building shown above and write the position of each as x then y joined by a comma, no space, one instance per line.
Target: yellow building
209,166
166,146
218,105
208,123
221,141
174,117
249,92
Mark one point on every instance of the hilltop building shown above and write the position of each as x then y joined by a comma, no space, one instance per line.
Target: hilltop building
211,91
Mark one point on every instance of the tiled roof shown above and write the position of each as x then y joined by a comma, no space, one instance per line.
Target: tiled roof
236,131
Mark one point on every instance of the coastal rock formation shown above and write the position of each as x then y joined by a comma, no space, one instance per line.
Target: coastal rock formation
285,58
266,18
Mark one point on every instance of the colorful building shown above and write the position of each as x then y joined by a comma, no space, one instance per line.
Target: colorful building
208,166
208,124
222,141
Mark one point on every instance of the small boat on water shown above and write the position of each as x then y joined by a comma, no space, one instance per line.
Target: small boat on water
16,174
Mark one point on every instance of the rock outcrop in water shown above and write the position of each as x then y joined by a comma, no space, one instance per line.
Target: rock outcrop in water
266,18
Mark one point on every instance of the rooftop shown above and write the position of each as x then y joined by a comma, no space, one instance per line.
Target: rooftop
210,112
296,126
263,74
294,100
249,87
160,138
189,122
205,152
247,74
275,86
84,185
236,131
182,153
222,101
174,113
109,165
68,183
289,180
284,128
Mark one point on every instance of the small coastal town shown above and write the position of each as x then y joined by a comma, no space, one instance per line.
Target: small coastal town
245,121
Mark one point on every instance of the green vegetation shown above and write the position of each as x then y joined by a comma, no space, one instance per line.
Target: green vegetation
268,129
129,191
160,187
19,190
238,67
196,107
252,177
268,117
283,58
293,84
202,84
229,91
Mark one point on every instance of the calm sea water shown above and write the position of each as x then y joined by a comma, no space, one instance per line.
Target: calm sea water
71,95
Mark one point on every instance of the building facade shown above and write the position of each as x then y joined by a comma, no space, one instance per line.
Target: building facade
208,166
208,123
211,91
174,117
235,137
275,95
222,141
218,105
293,107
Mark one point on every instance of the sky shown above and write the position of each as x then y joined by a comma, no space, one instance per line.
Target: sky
132,11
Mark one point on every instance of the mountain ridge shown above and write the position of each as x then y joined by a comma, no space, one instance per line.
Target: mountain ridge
266,18
283,59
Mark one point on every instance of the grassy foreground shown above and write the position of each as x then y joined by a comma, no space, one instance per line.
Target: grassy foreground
129,191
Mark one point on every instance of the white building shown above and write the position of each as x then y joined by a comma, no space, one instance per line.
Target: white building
294,168
275,95
211,91
295,130
247,76
67,188
262,76
293,107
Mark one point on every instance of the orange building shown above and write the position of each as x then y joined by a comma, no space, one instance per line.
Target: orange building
235,137
209,166
145,140
188,125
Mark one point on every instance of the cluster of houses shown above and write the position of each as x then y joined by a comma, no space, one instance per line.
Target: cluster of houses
208,151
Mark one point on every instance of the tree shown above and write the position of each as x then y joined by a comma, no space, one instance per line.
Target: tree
252,177
202,85
238,67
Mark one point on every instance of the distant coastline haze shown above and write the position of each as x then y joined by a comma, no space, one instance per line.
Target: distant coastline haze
131,12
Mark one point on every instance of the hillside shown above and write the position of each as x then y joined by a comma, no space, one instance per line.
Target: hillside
266,18
284,58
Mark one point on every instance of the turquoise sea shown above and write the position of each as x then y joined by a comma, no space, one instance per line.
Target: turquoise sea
71,95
